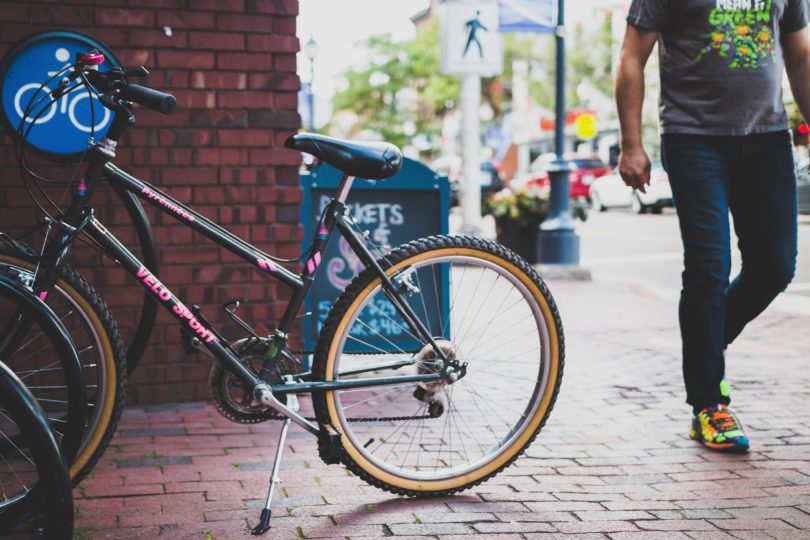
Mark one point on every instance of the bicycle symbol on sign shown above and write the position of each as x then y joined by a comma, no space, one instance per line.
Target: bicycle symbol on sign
67,104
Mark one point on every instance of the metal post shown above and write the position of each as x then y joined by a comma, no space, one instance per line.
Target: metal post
470,192
311,95
558,243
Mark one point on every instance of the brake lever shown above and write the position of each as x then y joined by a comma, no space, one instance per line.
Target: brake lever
118,106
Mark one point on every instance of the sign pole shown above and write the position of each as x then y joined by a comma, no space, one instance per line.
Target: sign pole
471,154
558,243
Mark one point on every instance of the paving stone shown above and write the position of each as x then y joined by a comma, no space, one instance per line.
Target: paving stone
154,461
181,471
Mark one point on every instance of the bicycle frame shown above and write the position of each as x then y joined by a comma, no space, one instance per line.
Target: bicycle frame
79,219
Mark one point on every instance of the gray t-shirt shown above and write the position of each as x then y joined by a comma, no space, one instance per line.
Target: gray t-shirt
721,62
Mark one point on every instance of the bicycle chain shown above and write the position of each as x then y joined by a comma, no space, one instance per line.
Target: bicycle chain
383,419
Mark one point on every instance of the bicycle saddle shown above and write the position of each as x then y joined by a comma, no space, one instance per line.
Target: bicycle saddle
370,160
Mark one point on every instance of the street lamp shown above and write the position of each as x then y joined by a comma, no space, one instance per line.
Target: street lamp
558,243
311,52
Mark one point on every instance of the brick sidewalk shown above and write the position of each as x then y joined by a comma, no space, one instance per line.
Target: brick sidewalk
613,462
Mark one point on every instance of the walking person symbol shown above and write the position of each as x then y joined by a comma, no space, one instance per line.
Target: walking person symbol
474,24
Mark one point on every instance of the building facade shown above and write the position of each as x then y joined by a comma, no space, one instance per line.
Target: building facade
232,67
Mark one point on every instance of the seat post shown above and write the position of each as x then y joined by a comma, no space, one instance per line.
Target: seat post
344,187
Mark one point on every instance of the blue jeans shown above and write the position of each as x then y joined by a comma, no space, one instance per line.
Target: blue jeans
754,178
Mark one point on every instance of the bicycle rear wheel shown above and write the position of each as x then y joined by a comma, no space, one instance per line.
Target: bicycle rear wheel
486,309
100,347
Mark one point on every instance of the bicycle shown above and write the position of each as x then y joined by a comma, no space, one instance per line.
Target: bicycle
34,477
474,393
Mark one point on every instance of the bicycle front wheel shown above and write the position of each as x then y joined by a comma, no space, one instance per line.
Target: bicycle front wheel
488,311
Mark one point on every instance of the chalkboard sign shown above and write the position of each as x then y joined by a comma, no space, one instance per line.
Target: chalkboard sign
62,130
412,204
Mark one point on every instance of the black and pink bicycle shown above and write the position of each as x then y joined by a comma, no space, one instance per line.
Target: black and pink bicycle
448,392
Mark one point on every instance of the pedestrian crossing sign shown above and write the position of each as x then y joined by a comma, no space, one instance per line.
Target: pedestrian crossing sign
470,41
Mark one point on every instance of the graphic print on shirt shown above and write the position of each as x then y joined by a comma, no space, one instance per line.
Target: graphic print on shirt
741,32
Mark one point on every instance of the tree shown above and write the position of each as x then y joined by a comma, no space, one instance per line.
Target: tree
372,90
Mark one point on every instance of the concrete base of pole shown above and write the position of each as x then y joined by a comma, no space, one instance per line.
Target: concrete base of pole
558,253
563,272
558,246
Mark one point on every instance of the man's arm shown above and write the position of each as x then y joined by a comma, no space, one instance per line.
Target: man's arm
634,165
796,47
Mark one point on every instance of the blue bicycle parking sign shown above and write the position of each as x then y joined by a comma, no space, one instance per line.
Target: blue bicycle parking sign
63,127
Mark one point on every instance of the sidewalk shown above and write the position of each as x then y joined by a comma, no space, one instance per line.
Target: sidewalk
614,460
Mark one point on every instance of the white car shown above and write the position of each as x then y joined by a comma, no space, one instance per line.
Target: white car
610,191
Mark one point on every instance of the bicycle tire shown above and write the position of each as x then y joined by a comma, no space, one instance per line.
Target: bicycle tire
25,426
339,324
68,422
110,380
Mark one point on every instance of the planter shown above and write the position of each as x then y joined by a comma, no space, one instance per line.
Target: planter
519,237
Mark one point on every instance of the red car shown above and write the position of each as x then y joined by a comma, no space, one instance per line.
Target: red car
586,170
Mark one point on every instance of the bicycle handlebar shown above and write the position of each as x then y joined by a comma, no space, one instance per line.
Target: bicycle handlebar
115,82
149,98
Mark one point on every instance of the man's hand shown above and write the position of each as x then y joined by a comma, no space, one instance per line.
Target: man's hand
634,167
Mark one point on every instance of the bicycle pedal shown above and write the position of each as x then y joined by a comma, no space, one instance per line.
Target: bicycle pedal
329,446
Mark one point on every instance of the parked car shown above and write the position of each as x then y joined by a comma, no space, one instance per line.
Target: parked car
804,186
450,166
610,191
586,170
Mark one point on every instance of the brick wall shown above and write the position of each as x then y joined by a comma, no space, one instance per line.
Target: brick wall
231,65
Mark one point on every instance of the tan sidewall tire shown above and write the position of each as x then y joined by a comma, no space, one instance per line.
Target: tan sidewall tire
529,430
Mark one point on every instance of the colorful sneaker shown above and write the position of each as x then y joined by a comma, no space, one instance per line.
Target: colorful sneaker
716,428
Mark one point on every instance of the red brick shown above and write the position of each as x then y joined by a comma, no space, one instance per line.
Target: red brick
274,157
76,16
270,43
217,79
284,25
273,7
217,156
156,38
284,62
185,59
218,5
244,61
15,12
274,81
124,17
217,41
195,99
244,137
244,23
186,19
245,100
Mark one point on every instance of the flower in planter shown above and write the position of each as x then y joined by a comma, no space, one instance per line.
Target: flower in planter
527,205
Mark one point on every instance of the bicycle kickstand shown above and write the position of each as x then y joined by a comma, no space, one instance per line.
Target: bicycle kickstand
264,520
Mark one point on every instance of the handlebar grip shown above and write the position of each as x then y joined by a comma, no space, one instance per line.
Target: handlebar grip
152,99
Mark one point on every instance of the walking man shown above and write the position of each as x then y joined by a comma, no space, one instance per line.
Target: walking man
726,147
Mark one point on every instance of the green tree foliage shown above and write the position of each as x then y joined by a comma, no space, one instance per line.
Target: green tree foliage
371,90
